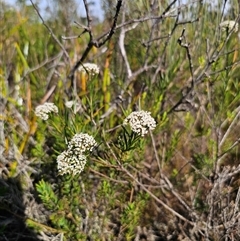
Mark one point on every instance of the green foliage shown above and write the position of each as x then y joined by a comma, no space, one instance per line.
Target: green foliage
131,215
174,141
47,195
127,141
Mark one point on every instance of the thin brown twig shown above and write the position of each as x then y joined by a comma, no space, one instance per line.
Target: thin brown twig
45,62
156,198
50,30
107,177
182,42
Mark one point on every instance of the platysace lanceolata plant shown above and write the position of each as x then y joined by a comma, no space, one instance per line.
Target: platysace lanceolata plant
74,147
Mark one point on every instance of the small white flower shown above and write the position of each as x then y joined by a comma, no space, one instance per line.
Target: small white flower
89,68
82,143
74,105
43,111
69,104
140,122
68,163
230,25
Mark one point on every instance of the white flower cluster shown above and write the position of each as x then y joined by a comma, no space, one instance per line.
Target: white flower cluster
230,25
71,164
43,111
73,160
82,143
91,69
140,122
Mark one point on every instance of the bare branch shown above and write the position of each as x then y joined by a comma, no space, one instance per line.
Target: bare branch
156,198
182,42
50,31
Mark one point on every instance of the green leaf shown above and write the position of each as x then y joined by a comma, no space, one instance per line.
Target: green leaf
47,195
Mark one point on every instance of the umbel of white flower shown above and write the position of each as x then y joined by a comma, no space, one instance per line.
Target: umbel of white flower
140,122
230,25
69,163
73,160
43,111
91,69
82,143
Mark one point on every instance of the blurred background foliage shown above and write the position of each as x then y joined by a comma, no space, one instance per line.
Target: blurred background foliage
160,51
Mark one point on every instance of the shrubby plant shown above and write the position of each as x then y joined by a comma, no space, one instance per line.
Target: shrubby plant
70,164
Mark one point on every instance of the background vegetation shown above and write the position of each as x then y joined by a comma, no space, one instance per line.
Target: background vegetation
171,58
